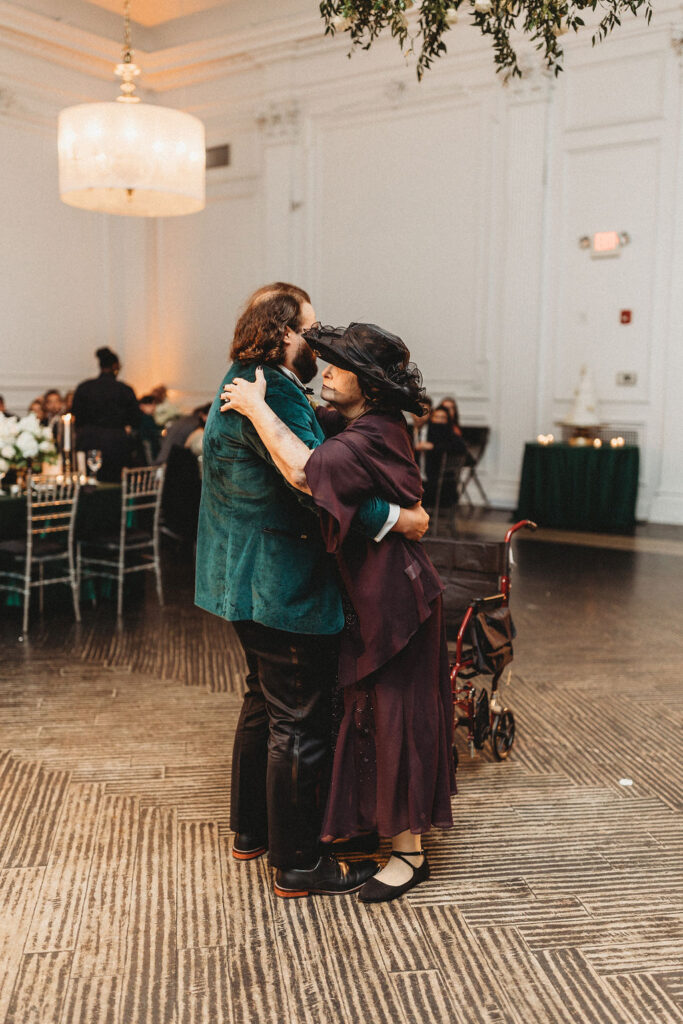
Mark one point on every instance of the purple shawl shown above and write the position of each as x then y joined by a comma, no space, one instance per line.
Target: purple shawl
392,583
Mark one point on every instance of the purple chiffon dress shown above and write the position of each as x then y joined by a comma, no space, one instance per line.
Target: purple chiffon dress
393,766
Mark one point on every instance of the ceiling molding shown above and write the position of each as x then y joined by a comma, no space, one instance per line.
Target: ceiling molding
279,40
34,35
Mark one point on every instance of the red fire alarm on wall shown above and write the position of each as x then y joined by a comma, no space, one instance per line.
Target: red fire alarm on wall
625,316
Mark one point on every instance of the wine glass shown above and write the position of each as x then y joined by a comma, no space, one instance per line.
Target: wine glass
94,462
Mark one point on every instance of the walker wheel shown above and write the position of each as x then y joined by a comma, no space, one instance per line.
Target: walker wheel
503,735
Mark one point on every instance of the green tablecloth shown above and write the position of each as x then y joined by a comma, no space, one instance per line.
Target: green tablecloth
99,511
579,488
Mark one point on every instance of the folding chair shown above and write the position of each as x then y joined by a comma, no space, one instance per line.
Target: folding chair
135,548
448,481
51,509
476,439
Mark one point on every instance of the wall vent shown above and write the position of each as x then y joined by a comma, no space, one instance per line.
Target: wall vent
218,156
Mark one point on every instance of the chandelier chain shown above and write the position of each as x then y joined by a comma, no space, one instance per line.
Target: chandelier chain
127,70
127,55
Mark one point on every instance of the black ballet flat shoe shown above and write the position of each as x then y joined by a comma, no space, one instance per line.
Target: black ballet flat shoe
366,842
375,891
248,847
329,877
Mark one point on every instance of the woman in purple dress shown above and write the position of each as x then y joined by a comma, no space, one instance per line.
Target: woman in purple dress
393,768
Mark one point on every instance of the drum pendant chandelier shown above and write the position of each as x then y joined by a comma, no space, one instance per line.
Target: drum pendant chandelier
128,157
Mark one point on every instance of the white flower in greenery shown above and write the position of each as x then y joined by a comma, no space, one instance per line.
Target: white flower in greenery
27,445
7,451
29,424
4,465
46,447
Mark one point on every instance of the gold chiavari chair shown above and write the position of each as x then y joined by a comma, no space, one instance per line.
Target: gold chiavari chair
135,548
48,546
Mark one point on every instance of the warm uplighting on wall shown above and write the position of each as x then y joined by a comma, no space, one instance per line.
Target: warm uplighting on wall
131,158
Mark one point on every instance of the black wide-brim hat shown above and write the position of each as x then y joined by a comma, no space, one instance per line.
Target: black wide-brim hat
376,356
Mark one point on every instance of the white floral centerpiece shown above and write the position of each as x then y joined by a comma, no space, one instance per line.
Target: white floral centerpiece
24,439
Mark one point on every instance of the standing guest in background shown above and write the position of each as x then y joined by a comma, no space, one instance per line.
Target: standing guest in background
179,431
106,412
419,434
68,401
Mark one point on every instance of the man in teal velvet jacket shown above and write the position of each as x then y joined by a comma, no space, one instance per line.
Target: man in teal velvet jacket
261,564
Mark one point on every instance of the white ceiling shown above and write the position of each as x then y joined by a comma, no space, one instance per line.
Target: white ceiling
158,12
158,24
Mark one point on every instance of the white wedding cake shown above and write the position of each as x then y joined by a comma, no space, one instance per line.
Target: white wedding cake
585,411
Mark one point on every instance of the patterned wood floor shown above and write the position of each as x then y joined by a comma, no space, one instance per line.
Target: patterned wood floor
558,896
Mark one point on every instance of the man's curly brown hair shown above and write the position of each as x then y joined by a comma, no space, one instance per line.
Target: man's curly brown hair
261,329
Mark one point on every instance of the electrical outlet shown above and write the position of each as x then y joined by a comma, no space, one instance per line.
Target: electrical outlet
627,379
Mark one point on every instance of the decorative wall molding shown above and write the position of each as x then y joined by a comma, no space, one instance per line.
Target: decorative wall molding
281,121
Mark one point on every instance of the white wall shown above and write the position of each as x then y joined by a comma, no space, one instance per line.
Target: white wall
448,211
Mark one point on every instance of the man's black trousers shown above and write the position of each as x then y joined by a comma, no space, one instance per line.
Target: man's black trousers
281,757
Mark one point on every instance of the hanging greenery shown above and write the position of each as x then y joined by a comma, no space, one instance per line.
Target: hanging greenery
544,22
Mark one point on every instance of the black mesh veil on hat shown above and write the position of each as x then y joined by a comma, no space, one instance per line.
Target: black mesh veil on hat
377,357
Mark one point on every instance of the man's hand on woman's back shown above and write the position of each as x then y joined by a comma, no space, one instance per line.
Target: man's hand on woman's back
412,522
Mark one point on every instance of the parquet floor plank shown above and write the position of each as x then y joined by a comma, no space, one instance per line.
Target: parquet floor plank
19,890
40,989
60,904
150,983
204,986
92,1000
257,980
646,996
101,946
201,915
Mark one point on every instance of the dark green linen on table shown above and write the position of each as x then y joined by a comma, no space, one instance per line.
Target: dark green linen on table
99,512
580,488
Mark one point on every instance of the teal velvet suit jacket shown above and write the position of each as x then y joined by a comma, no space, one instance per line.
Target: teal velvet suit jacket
260,553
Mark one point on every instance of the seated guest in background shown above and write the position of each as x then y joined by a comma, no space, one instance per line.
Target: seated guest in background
180,430
53,406
3,410
166,411
37,408
195,441
68,401
106,412
149,433
451,407
441,440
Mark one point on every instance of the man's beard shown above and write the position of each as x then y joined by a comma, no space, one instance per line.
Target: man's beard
304,363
